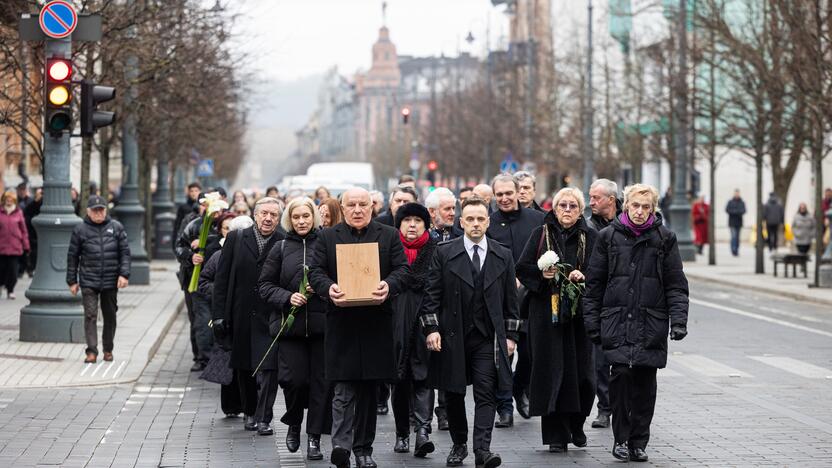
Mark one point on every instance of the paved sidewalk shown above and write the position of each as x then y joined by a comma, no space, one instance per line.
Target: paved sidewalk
145,314
739,272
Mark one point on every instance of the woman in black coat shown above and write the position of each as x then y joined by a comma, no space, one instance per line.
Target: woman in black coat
412,397
562,376
637,293
300,353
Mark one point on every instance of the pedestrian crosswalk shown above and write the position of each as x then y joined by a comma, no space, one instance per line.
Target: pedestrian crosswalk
794,366
682,365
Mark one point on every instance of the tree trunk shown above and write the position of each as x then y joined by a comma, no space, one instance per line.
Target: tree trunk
759,264
104,156
86,154
817,162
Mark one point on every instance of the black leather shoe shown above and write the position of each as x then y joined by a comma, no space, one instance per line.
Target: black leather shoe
621,452
382,409
365,461
601,422
340,457
250,424
558,448
442,422
198,366
402,444
504,420
457,455
579,438
638,454
293,438
313,449
487,459
264,429
423,444
522,402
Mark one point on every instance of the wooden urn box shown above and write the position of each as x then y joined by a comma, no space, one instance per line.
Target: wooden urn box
358,272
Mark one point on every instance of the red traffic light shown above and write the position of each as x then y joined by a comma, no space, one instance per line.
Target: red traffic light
405,111
433,165
59,69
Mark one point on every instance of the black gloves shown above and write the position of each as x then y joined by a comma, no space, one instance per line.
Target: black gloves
594,336
678,332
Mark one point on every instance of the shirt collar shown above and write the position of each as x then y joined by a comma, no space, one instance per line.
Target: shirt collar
469,244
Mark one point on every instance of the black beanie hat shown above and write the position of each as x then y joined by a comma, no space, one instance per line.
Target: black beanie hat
412,209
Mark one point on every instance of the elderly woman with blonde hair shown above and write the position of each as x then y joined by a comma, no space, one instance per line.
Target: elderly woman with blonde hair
552,268
300,354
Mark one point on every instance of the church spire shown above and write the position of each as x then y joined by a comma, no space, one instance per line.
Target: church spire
384,13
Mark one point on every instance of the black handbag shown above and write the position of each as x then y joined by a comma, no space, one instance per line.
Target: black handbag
218,370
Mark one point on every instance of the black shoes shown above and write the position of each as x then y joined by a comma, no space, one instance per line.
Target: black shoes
382,409
340,457
313,449
423,444
602,421
250,424
293,438
620,451
457,455
521,400
638,454
558,448
402,444
487,459
504,420
198,366
442,422
365,461
579,438
264,429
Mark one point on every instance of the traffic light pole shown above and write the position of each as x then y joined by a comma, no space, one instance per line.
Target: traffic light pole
53,314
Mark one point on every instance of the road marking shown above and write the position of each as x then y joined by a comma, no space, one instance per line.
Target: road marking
120,367
791,315
109,368
668,373
708,367
97,368
794,366
764,318
86,368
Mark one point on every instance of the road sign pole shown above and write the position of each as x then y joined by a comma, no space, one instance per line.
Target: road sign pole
53,314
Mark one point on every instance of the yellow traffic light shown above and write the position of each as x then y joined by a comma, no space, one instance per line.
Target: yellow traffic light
58,96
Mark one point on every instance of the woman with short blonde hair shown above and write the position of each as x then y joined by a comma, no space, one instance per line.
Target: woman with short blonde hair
569,192
642,189
286,219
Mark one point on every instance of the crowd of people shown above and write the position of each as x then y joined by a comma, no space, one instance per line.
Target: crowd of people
536,307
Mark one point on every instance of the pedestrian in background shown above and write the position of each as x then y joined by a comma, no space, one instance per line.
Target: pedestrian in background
185,209
735,210
774,216
14,241
32,210
300,349
330,211
241,209
321,195
636,294
400,195
98,264
803,228
700,213
562,384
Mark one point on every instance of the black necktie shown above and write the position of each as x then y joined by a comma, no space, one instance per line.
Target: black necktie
476,259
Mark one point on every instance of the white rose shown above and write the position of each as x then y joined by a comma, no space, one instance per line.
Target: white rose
547,260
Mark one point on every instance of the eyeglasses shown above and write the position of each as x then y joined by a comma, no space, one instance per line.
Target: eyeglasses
567,206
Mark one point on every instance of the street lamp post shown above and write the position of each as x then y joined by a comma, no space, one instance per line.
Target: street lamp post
163,216
589,117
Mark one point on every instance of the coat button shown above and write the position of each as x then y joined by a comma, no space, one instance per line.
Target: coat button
629,315
631,290
632,265
451,334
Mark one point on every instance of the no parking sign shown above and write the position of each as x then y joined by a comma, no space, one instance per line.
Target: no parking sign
58,19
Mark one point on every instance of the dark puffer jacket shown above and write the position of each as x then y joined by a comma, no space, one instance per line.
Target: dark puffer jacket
184,252
636,291
281,277
100,252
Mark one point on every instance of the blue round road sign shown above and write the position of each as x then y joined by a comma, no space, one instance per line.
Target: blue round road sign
58,19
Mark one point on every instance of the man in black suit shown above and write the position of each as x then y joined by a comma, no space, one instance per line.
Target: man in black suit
239,313
469,316
358,343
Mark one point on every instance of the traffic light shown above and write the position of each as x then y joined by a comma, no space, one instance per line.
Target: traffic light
405,115
58,98
431,175
91,96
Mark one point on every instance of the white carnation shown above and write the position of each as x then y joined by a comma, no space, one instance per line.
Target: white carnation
547,260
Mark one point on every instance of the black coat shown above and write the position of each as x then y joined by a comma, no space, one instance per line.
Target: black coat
237,300
513,229
206,276
98,254
562,373
412,355
281,277
182,212
386,218
449,290
358,341
184,252
735,210
598,222
636,291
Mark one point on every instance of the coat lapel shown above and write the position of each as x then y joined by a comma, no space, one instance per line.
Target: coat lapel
493,268
250,241
459,262
267,248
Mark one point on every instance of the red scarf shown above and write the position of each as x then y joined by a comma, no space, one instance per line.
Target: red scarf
411,249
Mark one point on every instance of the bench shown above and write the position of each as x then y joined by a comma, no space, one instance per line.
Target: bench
793,259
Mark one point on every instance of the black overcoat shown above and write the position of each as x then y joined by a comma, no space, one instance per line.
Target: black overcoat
358,341
513,229
562,374
449,290
636,290
412,354
240,302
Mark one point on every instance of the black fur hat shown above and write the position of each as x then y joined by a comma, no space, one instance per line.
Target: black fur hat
412,209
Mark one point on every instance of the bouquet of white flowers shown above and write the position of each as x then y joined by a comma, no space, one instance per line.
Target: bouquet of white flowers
566,288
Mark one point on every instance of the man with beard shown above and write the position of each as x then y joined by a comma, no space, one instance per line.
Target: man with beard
441,205
358,343
237,306
469,317
511,225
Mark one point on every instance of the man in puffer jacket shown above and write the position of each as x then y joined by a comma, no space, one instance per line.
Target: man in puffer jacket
98,249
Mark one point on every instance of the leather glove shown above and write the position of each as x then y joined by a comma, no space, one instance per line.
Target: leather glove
594,336
219,328
678,332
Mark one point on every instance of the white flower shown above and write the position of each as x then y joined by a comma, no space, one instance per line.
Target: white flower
216,205
547,260
209,197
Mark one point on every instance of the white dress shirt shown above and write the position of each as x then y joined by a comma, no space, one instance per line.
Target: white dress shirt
483,249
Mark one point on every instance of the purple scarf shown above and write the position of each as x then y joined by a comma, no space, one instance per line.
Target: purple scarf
636,230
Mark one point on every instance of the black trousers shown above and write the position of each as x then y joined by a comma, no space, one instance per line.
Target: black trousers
557,428
633,398
248,391
189,304
412,406
602,379
230,400
482,373
383,393
354,415
523,370
258,394
773,230
8,271
301,375
109,306
200,332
